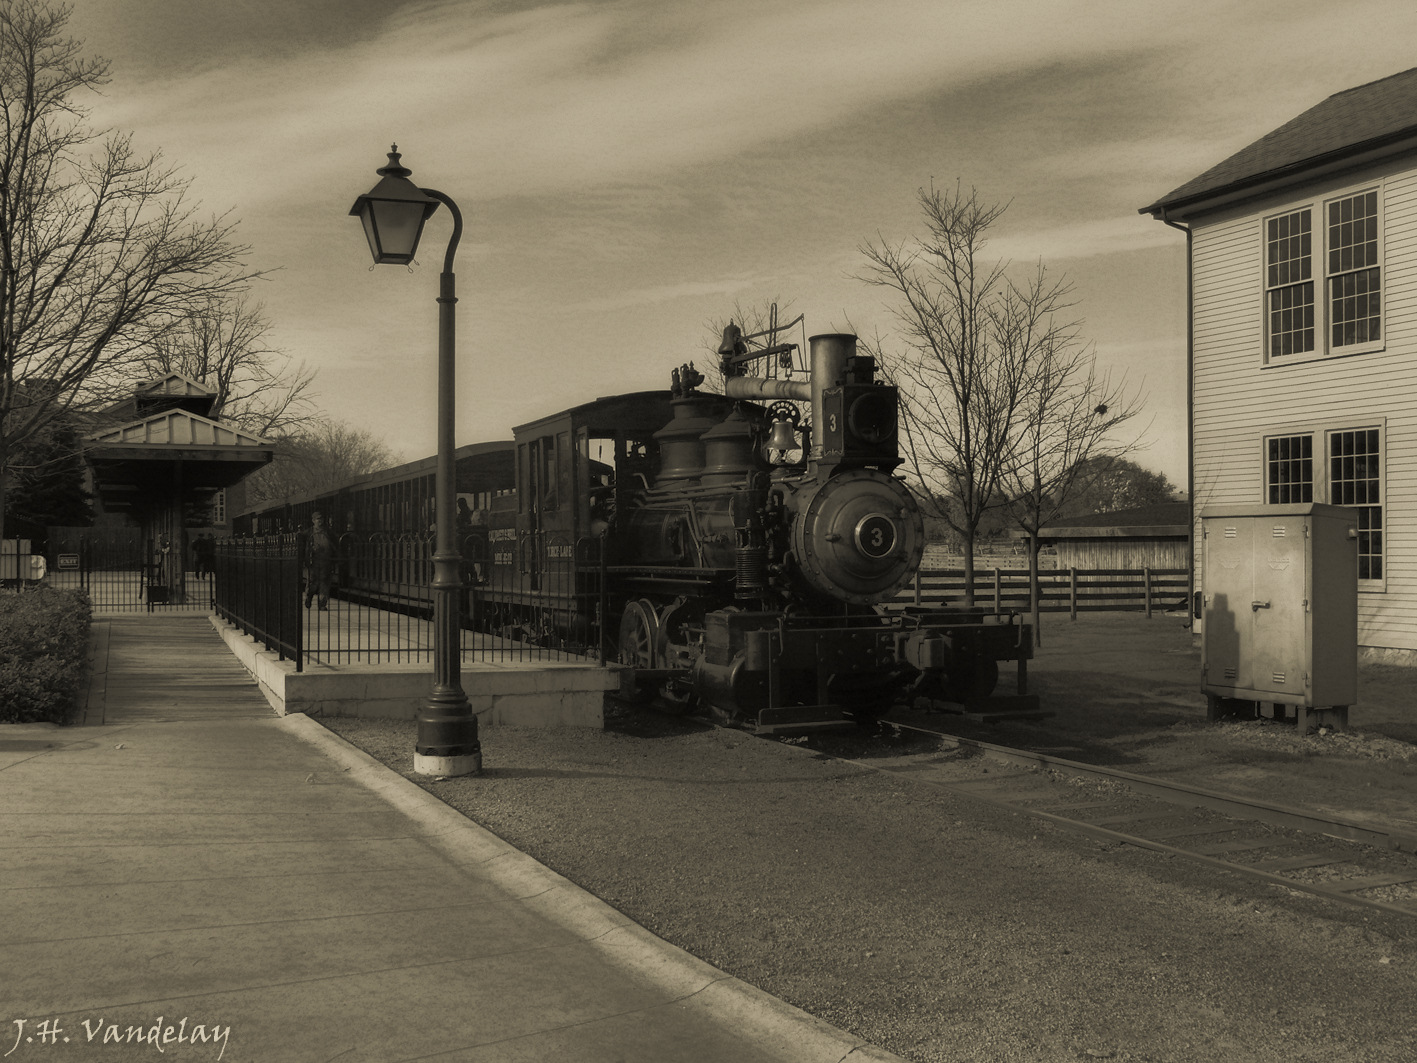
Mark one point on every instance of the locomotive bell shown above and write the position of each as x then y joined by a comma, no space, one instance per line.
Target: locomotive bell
783,436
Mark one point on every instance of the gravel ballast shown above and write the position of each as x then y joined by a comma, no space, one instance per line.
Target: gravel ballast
939,927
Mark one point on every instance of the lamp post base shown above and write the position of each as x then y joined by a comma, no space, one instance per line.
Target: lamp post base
447,742
467,764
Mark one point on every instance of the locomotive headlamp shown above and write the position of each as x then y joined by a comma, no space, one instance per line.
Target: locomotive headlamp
393,213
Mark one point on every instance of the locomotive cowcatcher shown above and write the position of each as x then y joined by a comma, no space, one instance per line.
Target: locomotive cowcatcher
739,553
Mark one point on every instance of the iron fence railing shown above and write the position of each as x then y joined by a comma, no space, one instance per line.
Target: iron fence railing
1068,590
20,566
257,588
119,572
374,601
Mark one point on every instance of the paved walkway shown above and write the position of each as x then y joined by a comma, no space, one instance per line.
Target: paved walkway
166,668
188,876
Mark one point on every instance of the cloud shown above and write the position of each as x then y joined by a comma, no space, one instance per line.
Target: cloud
560,96
663,293
1104,236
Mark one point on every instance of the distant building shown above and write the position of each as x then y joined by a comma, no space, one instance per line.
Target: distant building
1302,263
1155,537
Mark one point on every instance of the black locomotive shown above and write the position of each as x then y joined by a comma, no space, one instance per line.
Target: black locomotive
729,551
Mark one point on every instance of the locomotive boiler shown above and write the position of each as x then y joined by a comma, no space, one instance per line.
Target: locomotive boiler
751,570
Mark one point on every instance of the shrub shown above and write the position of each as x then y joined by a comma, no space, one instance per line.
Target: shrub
44,638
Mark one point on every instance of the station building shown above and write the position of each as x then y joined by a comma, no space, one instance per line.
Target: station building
1302,345
161,469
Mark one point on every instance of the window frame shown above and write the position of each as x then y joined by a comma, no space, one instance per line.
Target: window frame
1322,279
1321,444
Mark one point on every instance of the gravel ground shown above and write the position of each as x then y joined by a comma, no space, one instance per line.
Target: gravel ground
944,929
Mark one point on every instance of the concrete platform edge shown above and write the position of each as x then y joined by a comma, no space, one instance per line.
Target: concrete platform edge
550,694
765,1018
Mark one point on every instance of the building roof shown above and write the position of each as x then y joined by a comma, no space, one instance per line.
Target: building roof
179,384
173,391
1372,119
176,428
1164,519
171,451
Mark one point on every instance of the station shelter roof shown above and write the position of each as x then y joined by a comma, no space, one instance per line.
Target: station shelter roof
174,449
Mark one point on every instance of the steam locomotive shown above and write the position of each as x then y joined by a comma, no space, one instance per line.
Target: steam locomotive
752,569
731,552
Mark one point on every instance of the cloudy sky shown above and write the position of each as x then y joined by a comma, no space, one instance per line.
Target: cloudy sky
627,169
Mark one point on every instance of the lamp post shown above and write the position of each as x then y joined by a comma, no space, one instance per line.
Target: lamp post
393,213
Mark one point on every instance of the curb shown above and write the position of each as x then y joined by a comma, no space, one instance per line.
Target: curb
766,1019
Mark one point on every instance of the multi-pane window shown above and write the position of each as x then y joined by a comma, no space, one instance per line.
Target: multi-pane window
1289,260
1289,469
1345,250
1355,479
219,508
1354,284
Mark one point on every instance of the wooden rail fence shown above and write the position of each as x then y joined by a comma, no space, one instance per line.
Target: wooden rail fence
1067,590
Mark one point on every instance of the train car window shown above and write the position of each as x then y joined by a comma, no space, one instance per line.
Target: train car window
564,467
598,477
523,478
634,466
548,481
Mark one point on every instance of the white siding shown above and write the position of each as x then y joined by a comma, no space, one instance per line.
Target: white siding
1239,401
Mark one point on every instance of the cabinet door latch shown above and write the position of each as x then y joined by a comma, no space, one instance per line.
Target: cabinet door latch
1257,606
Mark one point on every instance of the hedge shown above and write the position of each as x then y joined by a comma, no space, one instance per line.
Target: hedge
44,638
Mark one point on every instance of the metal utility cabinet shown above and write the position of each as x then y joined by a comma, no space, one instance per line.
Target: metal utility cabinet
1280,610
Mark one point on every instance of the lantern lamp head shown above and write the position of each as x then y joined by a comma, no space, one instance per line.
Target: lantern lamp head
393,213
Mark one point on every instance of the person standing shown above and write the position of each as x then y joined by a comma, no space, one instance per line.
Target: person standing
204,552
320,561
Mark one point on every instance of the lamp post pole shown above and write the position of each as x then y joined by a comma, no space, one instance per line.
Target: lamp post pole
447,742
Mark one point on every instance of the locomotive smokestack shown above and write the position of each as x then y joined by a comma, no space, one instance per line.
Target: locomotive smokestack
829,353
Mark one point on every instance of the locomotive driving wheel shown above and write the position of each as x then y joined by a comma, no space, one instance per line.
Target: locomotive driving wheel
639,634
673,650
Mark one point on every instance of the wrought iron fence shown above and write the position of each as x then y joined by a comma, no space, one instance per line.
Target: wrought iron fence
120,572
20,566
258,584
374,601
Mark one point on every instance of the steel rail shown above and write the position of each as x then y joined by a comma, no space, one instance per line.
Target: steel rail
1343,890
1192,796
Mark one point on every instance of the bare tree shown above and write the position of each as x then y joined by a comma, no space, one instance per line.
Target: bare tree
972,338
99,251
222,344
1065,441
318,460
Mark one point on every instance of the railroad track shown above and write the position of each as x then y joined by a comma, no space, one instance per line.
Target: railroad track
1328,856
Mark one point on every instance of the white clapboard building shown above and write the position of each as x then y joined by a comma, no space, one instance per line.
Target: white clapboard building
1302,269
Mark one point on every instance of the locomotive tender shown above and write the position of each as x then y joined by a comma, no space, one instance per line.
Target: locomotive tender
731,553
